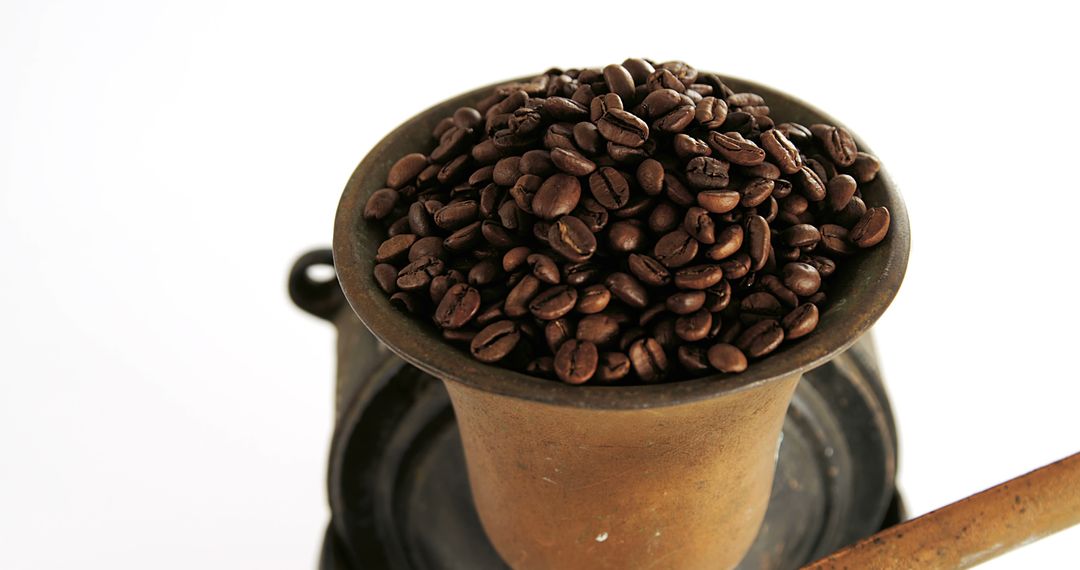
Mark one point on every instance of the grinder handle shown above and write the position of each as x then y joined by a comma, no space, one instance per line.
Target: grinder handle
322,298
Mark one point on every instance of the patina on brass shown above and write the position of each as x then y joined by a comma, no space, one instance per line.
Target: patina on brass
664,476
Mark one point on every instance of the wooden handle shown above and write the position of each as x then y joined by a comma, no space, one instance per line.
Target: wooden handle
974,529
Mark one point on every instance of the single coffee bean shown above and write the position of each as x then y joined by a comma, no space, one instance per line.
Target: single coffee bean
535,162
430,246
648,359
380,204
544,268
600,106
755,192
728,241
718,201
801,321
760,305
699,277
572,162
695,326
576,361
417,275
698,224
613,366
766,170
496,235
837,142
405,170
736,266
564,109
688,147
587,138
651,314
760,338
619,81
647,269
692,358
518,299
871,228
386,277
639,69
557,332
394,248
593,299
736,150
458,306
835,240
675,249
707,173
759,241
685,302
507,171
420,222
592,213
623,128
598,329
457,214
852,213
774,285
650,176
802,278
822,264
711,112
626,236
576,274
515,258
464,238
495,341
718,297
726,358
557,196
440,284
484,272
554,302
609,187
676,120
627,289
810,183
664,217
664,79
783,152
839,191
398,227
571,239
406,301
865,168
489,314
801,235
559,135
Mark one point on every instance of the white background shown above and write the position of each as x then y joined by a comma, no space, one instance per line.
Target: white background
163,405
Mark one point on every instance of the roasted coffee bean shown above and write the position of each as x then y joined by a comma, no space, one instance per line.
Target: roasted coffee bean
726,358
676,120
496,235
685,301
418,274
801,235
650,314
518,299
774,285
398,227
801,278
707,173
380,204
871,228
420,222
760,305
600,106
464,238
766,170
801,321
557,196
587,137
484,272
692,358
783,152
564,109
718,201
822,264
688,147
627,289
458,306
535,162
755,192
675,249
430,246
386,277
760,338
576,361
837,142
554,302
664,217
676,191
457,214
835,240
507,171
598,329
544,268
839,191
557,332
515,258
576,274
625,236
865,167
647,269
495,341
810,183
394,248
852,213
440,284
623,128
592,213
698,277
698,224
406,301
559,135
613,366
609,187
619,81
639,69
593,299
650,176
735,149
695,326
648,359
728,241
571,239
736,266
572,162
759,241
406,169
711,112
489,314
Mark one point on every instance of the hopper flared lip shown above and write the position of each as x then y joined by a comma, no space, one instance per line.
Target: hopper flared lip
870,289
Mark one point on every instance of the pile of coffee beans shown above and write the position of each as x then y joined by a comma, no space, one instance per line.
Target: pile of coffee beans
642,222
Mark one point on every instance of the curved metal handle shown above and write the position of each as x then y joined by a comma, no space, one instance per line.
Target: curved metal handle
322,298
975,529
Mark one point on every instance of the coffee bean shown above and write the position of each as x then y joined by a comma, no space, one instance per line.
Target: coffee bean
507,171
464,238
760,305
664,217
489,314
823,265
577,274
801,321
718,201
593,299
852,213
456,214
600,106
759,241
496,235
718,297
871,228
564,109
386,277
554,302
695,326
865,168
557,332
839,191
398,227
572,162
515,258
698,277
837,142
495,341
609,187
518,299
735,149
685,302
810,183
484,272
728,241
626,236
592,213
380,204
707,173
587,138
774,285
736,266
676,120
613,366
458,306
623,128
650,176
686,146
543,366
406,301
627,289
676,191
782,151
692,358
427,246
544,268
835,240
711,112
801,235
726,358
576,361
760,338
619,81
406,169
650,271
535,162
557,196
664,79
698,224
394,248
755,192
648,359
802,278
639,69
418,274
571,239
598,329
675,249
